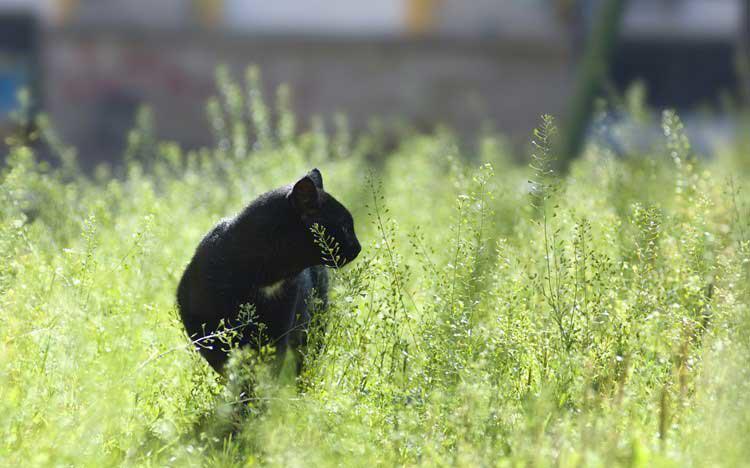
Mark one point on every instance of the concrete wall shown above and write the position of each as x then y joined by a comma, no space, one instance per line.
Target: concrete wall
147,13
96,78
530,19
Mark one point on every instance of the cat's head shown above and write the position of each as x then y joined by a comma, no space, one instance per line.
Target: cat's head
317,207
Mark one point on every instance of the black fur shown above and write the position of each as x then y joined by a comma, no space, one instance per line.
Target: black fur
269,242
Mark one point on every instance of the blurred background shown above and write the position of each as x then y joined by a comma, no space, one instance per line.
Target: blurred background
469,64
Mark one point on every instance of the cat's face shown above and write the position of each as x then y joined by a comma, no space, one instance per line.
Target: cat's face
324,214
338,225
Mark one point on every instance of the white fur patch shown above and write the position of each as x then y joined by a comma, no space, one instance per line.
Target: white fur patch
272,290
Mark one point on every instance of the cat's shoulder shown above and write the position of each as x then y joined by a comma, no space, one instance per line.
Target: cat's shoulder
217,232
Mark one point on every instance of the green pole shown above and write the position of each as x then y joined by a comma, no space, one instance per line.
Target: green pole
593,71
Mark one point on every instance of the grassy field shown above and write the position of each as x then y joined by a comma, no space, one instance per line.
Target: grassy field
598,318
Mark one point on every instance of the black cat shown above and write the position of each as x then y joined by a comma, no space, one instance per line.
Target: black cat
266,257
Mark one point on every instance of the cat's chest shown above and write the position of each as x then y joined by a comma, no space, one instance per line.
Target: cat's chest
276,294
272,291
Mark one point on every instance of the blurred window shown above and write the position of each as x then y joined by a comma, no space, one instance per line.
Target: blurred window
683,19
382,17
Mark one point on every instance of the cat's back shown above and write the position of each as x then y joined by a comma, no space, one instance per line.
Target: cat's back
208,249
215,236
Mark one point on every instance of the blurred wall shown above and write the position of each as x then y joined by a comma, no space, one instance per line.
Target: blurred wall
98,77
424,61
148,13
531,19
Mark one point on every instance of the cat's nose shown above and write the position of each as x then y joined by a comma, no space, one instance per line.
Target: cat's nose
356,250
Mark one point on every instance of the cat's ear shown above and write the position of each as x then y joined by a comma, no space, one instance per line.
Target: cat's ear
316,177
304,196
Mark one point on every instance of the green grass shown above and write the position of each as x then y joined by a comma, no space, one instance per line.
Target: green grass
595,319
